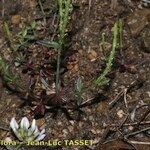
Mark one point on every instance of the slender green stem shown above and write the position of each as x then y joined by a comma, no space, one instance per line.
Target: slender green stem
121,39
58,69
100,80
121,33
7,30
64,10
65,17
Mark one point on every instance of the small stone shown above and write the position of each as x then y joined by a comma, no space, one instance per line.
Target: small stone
138,20
59,123
148,93
102,106
65,132
70,128
40,122
92,55
71,122
9,101
90,118
75,68
15,19
17,64
80,51
80,124
120,113
3,134
69,66
93,131
130,128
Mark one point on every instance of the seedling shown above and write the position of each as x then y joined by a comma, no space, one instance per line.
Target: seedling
79,90
27,34
9,36
9,78
64,8
102,80
5,71
64,11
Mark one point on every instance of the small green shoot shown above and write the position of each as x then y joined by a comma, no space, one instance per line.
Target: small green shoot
120,33
26,35
64,11
101,80
9,36
8,76
79,90
23,38
120,26
5,72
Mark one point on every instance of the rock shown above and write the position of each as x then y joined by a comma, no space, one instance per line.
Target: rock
80,51
92,55
40,122
130,128
70,128
138,20
120,113
95,131
15,19
102,106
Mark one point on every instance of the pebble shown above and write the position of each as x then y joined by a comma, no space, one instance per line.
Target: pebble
72,122
80,51
92,55
148,93
130,128
120,113
70,128
65,132
15,19
76,68
138,20
102,106
40,122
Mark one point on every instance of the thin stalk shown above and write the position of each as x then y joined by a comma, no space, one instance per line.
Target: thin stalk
58,69
9,36
60,3
121,33
64,9
121,38
65,18
109,64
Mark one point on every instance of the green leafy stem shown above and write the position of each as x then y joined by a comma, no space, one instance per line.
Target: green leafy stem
101,80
